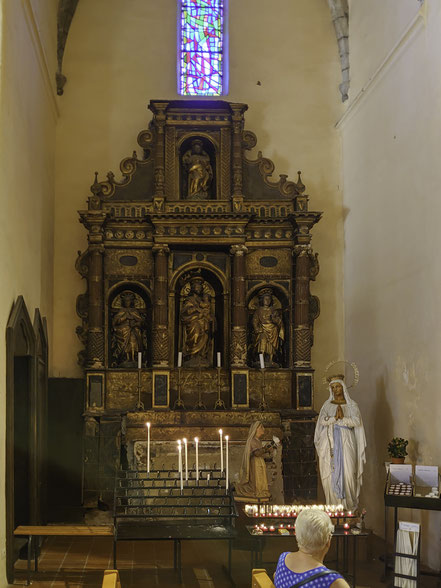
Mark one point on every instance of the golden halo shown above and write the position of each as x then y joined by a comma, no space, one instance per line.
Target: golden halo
342,361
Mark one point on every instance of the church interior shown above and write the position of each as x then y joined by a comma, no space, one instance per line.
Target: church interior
218,290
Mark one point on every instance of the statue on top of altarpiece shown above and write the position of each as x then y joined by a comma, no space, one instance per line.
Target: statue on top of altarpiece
128,337
197,319
197,164
268,329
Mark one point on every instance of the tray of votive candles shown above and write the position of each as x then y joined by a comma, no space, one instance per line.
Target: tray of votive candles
268,512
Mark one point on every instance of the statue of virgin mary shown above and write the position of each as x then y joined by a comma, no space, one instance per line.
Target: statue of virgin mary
341,446
253,482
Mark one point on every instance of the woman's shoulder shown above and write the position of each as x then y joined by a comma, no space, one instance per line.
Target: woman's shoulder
339,583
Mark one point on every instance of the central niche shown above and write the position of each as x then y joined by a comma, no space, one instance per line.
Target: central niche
197,169
199,317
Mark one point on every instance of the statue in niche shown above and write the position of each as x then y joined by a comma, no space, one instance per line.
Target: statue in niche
341,446
196,162
268,330
197,319
128,335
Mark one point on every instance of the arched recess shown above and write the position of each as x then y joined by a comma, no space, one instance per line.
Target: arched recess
22,457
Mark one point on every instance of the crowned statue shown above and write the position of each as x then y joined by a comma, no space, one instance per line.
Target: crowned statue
197,318
196,162
268,330
341,446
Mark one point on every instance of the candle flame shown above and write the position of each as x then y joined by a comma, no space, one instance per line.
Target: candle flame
227,437
184,440
196,440
148,425
220,431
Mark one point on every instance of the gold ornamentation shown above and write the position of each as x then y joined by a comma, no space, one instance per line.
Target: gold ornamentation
283,267
341,363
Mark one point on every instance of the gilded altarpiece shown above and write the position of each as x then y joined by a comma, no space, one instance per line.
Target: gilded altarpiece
198,267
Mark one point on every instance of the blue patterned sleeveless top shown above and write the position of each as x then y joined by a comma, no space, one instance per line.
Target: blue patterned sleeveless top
285,578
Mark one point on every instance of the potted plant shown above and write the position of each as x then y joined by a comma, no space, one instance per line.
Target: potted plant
397,449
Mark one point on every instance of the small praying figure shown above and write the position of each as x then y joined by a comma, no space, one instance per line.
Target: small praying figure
341,446
253,482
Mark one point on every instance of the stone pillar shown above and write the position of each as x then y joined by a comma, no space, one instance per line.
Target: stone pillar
159,152
302,331
237,119
239,315
160,308
94,221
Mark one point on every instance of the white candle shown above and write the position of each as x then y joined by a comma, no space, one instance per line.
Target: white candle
180,464
180,359
185,457
226,462
221,450
148,447
139,360
218,359
196,441
262,361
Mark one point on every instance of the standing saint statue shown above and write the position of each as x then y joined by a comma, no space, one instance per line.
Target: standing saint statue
127,336
253,481
268,330
197,320
199,172
341,446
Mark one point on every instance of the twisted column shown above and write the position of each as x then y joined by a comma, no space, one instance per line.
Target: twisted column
160,308
302,330
239,315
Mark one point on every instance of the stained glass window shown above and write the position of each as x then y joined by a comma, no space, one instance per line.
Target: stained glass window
201,48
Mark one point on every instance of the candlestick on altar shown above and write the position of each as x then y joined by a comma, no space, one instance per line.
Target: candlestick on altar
185,458
262,405
219,404
196,441
139,404
221,451
226,463
148,447
179,403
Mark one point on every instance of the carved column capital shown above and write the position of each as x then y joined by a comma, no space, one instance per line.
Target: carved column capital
301,250
238,249
161,249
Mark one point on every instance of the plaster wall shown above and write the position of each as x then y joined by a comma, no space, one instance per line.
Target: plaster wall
391,140
283,63
27,142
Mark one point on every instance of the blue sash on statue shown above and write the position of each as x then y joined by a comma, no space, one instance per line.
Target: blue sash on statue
338,470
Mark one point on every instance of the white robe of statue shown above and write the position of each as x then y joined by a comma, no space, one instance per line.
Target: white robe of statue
341,448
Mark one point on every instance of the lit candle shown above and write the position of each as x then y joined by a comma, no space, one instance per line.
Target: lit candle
139,360
180,359
218,359
148,447
196,441
179,456
221,451
185,457
346,525
180,464
226,462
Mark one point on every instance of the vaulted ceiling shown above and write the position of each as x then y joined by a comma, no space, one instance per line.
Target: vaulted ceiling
339,14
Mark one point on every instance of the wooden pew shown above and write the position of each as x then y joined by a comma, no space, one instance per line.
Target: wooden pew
260,579
35,531
111,579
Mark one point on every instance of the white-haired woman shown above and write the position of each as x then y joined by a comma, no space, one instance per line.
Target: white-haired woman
305,566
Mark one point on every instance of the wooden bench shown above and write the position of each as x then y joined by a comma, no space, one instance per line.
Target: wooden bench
35,531
111,579
260,579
